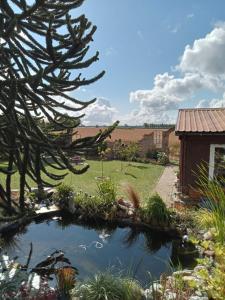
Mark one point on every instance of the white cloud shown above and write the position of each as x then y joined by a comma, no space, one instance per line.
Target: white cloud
214,103
201,67
206,56
168,93
99,113
147,114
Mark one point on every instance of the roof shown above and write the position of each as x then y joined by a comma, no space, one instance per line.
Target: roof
200,121
125,134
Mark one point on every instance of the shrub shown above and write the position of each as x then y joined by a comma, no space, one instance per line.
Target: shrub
100,205
152,154
107,191
213,214
90,205
162,158
213,275
64,194
107,286
156,210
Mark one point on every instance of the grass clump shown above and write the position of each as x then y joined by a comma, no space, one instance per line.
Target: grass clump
105,286
212,215
155,210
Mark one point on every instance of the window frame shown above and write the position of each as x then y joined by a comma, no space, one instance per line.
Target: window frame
212,158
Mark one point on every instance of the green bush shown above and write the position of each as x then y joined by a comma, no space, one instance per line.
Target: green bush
90,205
212,215
105,286
152,154
100,205
64,193
162,158
155,210
107,191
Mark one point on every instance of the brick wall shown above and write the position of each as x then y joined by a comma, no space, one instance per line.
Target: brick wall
146,144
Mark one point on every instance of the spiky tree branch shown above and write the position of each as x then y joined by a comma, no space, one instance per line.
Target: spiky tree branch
41,49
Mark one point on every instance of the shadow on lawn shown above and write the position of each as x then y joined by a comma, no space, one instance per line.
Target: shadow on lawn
139,167
130,174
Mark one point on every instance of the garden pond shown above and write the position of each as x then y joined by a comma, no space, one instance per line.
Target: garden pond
144,255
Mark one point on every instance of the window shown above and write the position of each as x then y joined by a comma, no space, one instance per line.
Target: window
217,161
158,139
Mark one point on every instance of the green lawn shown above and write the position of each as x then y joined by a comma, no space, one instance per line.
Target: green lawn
142,177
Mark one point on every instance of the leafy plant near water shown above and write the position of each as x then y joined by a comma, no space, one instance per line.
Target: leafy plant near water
212,216
66,280
155,210
107,191
19,281
213,213
64,194
213,275
102,204
132,195
105,286
90,205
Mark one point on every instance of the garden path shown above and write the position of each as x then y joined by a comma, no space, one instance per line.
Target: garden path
165,185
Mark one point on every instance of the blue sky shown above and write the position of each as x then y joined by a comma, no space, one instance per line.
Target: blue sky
139,40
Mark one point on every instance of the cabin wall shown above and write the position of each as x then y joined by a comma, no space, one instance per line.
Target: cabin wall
194,151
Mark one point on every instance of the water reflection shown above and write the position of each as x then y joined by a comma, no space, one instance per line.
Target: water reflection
97,246
153,240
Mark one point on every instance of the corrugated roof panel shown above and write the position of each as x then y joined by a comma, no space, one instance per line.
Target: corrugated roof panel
202,120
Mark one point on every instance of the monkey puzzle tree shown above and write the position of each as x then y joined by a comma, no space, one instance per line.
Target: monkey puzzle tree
42,47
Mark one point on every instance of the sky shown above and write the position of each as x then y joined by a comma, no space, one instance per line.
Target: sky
159,56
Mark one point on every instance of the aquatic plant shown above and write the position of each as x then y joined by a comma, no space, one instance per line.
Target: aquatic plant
105,286
17,282
155,210
66,280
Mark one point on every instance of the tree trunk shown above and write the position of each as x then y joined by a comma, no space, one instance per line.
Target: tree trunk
8,181
23,176
38,173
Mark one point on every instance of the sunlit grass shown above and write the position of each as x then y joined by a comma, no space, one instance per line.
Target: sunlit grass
142,177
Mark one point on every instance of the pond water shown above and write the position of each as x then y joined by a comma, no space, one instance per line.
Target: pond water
97,248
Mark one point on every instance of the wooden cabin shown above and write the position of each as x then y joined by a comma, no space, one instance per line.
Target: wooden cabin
202,136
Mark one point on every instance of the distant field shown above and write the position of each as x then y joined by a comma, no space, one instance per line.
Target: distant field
143,177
